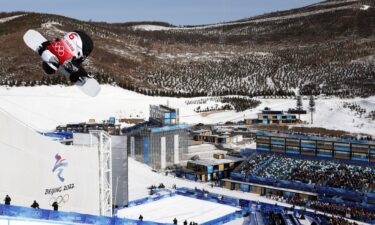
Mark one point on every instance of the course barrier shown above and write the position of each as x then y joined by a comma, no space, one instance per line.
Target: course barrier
149,199
25,213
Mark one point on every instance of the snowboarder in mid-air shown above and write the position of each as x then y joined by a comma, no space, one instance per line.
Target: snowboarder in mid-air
68,52
66,55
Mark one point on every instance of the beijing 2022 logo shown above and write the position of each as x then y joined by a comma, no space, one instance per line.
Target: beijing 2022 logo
60,164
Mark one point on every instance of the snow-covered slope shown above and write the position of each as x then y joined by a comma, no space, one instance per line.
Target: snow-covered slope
46,107
6,19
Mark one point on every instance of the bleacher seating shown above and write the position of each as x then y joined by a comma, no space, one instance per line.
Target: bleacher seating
335,179
316,172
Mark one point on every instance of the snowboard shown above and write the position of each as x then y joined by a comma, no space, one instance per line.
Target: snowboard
89,86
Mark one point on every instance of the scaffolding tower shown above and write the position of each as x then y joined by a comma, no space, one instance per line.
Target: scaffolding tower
102,141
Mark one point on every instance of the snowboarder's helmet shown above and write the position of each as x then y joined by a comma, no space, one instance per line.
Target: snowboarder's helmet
87,43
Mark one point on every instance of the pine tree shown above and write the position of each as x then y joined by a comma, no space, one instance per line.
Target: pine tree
312,107
299,105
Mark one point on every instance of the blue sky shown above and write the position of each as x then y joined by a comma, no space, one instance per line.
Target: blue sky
177,12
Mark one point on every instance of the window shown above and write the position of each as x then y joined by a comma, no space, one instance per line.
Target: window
324,153
263,138
277,141
360,148
292,150
342,154
372,157
342,147
278,148
253,188
308,151
263,147
325,144
294,142
360,156
308,144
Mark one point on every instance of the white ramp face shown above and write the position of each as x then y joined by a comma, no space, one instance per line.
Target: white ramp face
33,167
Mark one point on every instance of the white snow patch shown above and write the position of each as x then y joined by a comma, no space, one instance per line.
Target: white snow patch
51,28
6,19
180,207
270,83
149,27
50,24
365,7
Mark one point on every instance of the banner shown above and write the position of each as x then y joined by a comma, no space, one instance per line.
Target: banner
33,167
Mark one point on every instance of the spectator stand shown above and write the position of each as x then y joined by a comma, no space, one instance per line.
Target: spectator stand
262,174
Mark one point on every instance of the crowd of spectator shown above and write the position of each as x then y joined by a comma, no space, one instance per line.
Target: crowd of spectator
340,221
333,174
279,168
316,172
342,210
248,166
276,218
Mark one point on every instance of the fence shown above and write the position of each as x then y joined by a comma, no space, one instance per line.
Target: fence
150,199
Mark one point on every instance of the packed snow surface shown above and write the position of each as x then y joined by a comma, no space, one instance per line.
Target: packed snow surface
46,107
180,207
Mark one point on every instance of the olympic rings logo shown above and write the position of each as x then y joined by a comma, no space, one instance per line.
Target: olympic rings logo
37,213
59,199
59,49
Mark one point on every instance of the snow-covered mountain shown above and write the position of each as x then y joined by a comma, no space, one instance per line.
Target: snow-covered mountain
322,48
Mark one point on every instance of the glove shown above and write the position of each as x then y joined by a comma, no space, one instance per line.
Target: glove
43,47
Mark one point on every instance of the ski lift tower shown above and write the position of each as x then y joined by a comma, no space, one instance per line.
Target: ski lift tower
102,141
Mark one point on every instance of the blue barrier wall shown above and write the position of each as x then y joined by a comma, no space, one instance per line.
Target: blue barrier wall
69,217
